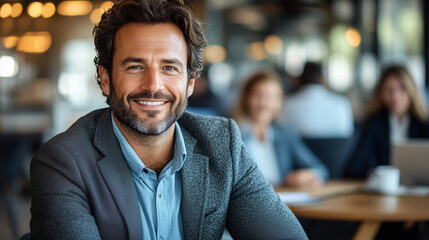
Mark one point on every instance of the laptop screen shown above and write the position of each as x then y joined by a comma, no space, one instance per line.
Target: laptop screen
412,159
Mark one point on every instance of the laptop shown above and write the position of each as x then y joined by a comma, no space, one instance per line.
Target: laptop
412,159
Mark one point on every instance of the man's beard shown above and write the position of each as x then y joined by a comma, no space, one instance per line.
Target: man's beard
128,117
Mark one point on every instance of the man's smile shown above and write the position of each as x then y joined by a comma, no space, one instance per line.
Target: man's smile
150,103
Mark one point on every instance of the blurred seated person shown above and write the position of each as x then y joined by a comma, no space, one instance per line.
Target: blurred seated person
314,111
204,101
278,151
395,113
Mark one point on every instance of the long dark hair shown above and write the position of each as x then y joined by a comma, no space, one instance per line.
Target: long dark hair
149,12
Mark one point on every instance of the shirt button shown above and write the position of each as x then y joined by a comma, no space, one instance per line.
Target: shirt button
145,170
160,195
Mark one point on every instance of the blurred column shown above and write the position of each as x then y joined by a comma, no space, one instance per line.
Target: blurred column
357,23
376,40
426,40
215,30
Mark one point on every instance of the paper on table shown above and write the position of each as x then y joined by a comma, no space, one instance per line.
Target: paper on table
298,198
407,191
413,191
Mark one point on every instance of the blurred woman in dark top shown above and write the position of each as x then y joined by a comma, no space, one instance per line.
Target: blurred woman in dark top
278,151
396,113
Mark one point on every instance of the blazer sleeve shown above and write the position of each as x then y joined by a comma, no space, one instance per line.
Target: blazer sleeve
59,208
255,211
302,156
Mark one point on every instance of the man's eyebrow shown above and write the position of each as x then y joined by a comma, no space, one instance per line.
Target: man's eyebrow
174,61
132,60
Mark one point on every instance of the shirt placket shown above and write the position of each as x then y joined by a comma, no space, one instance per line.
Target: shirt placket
162,210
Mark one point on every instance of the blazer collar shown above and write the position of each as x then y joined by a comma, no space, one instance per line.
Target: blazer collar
417,128
116,174
194,187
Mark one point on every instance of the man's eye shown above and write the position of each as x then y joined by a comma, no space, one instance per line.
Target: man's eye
134,68
169,68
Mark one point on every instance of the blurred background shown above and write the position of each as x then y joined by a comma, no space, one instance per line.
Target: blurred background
47,74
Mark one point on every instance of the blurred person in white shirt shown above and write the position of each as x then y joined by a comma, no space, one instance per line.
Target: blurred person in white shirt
314,111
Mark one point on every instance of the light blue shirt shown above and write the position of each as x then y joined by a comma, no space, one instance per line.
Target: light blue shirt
263,153
159,198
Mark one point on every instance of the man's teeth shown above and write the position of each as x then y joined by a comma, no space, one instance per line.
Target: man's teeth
150,103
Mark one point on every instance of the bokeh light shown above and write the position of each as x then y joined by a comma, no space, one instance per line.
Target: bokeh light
73,86
256,51
74,8
340,73
221,76
106,5
386,31
411,25
295,57
251,17
16,10
5,10
35,9
35,42
273,44
215,54
353,37
10,41
96,14
368,71
316,49
8,66
48,10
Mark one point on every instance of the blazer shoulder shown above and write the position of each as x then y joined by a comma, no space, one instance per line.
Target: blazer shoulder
418,128
200,126
213,134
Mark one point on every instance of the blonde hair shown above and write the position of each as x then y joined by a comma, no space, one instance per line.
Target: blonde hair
417,107
242,110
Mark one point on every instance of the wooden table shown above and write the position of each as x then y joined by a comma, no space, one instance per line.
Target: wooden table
342,200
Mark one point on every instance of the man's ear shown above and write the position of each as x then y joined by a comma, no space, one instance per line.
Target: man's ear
104,80
191,86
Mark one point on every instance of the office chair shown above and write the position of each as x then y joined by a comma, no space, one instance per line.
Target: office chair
333,152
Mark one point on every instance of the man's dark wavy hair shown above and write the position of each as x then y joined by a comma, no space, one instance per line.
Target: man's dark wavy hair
149,12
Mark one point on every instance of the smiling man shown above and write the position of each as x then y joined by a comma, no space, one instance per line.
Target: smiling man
144,168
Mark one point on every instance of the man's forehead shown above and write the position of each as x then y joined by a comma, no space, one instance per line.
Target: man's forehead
164,35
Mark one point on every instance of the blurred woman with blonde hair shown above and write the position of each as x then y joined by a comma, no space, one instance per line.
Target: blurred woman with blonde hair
396,113
278,151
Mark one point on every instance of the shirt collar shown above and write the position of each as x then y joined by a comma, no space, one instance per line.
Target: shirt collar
313,87
137,166
398,130
395,121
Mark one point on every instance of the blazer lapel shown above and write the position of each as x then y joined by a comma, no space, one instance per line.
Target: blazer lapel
117,176
385,129
194,187
416,129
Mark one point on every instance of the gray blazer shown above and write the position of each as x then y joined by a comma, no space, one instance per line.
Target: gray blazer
82,186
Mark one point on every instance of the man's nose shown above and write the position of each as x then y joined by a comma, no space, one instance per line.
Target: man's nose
152,80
